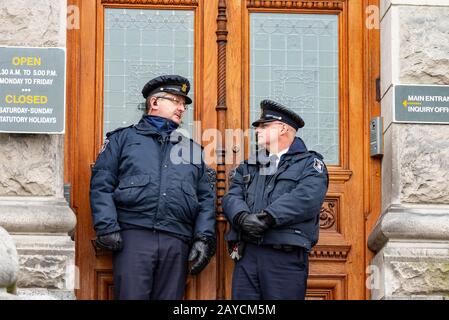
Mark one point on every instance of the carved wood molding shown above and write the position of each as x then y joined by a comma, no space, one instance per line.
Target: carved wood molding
221,109
339,175
330,252
222,39
154,2
292,4
319,294
105,284
327,286
328,214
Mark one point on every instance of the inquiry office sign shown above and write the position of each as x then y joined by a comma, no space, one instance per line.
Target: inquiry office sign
421,104
32,90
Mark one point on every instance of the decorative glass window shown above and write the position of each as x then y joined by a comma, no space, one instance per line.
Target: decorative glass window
294,60
138,46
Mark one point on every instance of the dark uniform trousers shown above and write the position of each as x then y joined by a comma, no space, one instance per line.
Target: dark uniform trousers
152,265
266,273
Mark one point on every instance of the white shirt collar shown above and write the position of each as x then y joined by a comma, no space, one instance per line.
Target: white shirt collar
282,152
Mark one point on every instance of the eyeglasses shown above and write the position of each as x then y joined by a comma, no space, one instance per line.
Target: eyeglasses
175,101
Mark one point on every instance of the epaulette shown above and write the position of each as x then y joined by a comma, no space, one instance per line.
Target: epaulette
317,154
110,133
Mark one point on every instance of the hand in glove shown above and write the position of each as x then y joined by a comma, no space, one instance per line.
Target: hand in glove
203,248
254,224
111,241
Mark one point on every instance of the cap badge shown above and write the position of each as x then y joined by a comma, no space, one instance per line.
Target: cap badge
272,116
184,88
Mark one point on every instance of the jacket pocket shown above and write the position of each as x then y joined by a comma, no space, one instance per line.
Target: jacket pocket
289,175
285,183
131,191
134,181
191,200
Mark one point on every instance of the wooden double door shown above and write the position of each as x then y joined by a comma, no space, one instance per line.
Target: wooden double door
318,57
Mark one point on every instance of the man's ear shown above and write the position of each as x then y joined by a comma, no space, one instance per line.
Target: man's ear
284,129
153,104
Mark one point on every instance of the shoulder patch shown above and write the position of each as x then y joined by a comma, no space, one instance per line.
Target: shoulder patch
318,165
105,144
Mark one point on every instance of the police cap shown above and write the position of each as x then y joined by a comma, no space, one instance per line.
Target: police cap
173,84
274,111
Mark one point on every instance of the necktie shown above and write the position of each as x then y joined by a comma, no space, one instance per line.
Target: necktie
274,161
270,167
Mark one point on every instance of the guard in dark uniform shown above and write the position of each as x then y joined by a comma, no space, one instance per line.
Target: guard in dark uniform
153,198
273,206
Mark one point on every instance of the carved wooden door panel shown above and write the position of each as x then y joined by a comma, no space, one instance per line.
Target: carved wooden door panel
306,54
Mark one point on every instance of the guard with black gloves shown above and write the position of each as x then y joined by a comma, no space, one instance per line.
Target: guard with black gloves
273,205
153,198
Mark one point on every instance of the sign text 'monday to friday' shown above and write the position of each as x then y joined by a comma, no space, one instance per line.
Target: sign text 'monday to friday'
32,90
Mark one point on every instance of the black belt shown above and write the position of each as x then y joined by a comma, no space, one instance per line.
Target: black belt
285,247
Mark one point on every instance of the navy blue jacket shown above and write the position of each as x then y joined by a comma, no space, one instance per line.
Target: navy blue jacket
146,179
293,196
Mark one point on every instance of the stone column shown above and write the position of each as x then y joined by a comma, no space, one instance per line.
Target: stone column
32,205
411,237
9,265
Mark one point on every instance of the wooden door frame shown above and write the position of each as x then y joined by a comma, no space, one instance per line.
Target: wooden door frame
373,169
76,73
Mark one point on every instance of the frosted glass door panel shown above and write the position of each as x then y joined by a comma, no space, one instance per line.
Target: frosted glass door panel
138,46
294,60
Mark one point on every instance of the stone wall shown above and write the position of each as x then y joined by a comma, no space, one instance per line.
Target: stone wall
411,237
423,157
33,23
32,207
424,46
37,158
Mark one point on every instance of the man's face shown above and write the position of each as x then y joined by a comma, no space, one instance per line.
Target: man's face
169,106
268,134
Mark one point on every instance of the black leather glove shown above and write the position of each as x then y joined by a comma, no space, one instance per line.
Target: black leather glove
254,224
112,241
203,249
267,219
